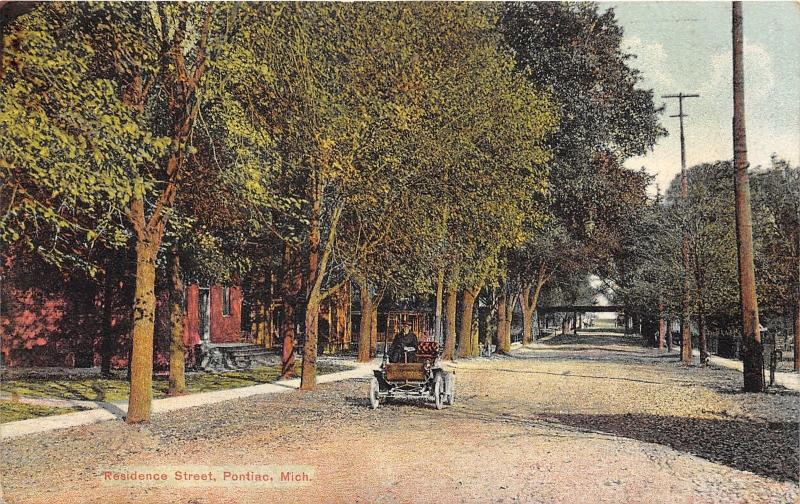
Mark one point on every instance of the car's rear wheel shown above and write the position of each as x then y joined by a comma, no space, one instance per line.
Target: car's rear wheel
438,391
374,400
450,389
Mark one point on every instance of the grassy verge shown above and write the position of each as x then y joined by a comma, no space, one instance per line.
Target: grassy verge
12,411
112,389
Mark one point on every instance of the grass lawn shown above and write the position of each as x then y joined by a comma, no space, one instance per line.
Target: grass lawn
11,411
113,389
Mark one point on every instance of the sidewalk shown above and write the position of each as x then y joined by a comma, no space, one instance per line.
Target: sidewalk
112,411
789,380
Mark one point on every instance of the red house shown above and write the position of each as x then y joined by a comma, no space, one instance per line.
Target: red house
50,318
212,315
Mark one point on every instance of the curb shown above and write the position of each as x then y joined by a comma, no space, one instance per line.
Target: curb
789,380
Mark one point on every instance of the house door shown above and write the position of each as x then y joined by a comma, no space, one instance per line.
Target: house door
204,313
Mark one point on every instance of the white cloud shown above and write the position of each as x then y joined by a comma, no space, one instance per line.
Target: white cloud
651,60
786,144
759,76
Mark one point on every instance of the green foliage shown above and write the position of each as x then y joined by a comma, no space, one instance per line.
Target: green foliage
710,222
68,143
573,51
649,269
646,271
452,162
478,140
775,199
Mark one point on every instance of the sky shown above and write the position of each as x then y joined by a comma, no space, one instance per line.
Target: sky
686,47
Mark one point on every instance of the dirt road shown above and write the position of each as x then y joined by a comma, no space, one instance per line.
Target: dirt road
578,420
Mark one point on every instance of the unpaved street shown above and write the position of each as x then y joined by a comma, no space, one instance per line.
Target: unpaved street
576,420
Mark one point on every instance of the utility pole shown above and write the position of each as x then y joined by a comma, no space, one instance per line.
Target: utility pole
751,334
686,333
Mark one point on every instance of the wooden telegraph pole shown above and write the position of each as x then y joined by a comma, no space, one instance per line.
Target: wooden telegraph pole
686,333
751,334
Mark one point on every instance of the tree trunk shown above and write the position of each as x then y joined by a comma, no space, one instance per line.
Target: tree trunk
669,334
509,317
465,343
316,272
437,329
141,366
373,330
308,375
797,335
182,105
484,314
662,327
702,342
450,332
503,333
108,338
343,304
751,335
686,333
266,307
527,315
364,330
528,301
177,348
501,323
291,284
476,340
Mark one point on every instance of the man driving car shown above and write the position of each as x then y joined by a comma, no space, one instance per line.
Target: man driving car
405,342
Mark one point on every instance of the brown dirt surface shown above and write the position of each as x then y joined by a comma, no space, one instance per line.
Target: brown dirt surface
581,419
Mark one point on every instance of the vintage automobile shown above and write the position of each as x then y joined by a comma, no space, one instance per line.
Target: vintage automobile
424,379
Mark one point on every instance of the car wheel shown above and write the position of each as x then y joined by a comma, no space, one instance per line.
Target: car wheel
438,391
374,400
450,389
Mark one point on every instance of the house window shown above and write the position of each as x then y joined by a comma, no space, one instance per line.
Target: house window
226,301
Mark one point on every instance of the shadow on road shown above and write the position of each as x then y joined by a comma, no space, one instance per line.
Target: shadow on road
567,374
600,340
768,449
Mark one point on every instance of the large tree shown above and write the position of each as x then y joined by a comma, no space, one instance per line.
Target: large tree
142,73
776,216
708,218
574,52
